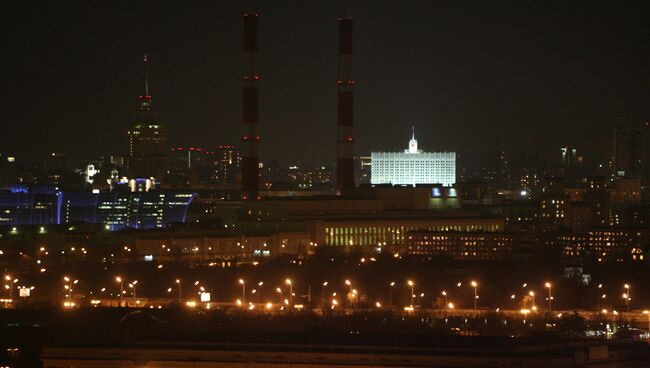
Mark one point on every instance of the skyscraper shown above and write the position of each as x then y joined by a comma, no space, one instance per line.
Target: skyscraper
569,163
227,165
146,156
569,156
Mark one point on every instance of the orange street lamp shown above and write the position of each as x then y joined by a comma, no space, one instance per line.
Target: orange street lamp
475,286
550,295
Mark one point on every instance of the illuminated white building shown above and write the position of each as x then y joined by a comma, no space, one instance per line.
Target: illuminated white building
413,167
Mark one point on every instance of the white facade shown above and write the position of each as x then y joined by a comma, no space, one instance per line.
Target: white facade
413,167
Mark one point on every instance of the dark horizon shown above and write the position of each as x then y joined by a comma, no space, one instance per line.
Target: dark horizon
466,74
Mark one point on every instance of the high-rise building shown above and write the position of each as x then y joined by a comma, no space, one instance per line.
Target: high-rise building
310,177
504,172
569,164
188,166
569,156
362,169
147,146
227,165
413,167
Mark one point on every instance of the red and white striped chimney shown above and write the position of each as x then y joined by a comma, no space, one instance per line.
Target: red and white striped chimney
251,137
345,144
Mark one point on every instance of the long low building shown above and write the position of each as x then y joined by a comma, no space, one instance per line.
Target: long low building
354,233
392,231
204,248
459,245
364,232
118,209
602,245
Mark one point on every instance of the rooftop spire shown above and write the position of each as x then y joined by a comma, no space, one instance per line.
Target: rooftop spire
144,100
413,143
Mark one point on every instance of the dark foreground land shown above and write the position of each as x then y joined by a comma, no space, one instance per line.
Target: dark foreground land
178,337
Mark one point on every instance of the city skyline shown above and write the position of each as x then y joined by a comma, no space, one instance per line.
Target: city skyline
469,79
325,183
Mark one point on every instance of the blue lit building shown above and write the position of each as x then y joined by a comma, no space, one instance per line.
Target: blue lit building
118,210
23,205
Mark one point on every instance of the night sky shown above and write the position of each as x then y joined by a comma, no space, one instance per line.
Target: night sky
468,74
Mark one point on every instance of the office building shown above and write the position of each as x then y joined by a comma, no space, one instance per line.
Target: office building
603,245
413,167
569,156
24,205
362,169
227,165
394,230
462,244
119,209
147,140
138,205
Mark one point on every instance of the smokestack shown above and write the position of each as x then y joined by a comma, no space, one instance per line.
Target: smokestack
251,137
345,143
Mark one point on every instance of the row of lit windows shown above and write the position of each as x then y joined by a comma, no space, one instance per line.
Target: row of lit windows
373,235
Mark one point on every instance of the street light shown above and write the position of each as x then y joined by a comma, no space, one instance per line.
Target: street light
119,279
390,293
180,293
288,282
349,284
11,287
475,286
550,296
133,286
627,296
279,292
444,293
323,293
411,284
243,290
532,295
